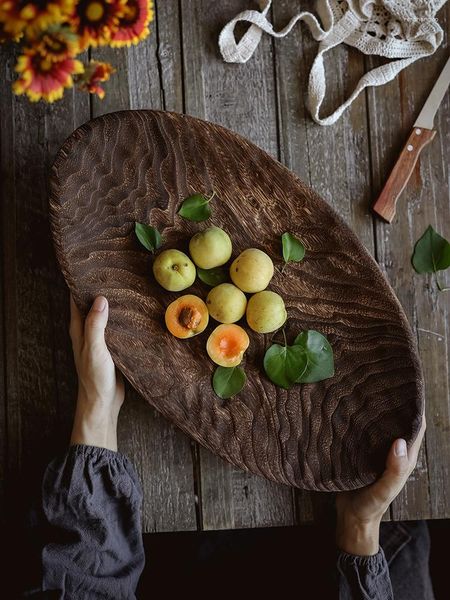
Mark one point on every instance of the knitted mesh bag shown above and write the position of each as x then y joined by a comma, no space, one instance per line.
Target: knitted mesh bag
403,30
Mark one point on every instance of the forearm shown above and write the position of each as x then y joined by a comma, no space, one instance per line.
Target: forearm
95,424
360,538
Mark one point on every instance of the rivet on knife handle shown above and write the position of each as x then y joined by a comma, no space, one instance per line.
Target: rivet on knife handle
386,203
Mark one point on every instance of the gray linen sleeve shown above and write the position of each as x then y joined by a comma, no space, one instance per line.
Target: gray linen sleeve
364,577
92,499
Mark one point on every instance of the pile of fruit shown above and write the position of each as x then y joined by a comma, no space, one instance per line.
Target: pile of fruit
308,360
226,303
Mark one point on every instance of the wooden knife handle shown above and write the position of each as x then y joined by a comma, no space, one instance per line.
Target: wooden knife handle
394,186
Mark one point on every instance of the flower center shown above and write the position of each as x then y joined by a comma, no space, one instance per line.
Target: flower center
94,11
42,65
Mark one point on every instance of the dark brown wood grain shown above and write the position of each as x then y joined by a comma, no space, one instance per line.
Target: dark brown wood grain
138,166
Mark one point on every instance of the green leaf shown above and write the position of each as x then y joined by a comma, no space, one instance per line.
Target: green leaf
293,249
149,236
196,208
431,253
319,356
284,364
228,381
212,277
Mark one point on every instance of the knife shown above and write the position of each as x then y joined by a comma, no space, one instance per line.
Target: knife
421,135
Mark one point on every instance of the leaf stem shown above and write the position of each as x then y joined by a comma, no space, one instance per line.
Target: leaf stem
284,337
212,196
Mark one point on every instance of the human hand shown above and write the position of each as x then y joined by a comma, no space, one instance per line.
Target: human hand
359,512
100,385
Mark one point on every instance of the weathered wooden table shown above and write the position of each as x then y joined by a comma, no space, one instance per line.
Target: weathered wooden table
178,68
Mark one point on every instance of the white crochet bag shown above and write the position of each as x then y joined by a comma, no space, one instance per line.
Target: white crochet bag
405,30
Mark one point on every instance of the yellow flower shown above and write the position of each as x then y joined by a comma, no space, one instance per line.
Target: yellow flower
96,20
133,25
44,79
95,73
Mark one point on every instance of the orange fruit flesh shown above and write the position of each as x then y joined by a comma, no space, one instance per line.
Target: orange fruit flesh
227,344
229,347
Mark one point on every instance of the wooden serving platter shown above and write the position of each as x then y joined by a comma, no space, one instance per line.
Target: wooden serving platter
138,166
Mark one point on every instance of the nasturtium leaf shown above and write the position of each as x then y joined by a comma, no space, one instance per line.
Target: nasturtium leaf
293,249
195,208
319,356
228,381
212,277
149,236
284,364
431,252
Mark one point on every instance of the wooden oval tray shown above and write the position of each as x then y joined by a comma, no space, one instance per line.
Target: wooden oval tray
138,166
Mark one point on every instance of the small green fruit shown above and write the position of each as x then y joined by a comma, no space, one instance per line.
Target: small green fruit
174,270
266,312
226,303
252,270
210,248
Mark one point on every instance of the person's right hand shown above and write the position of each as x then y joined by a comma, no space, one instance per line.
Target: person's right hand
359,512
100,385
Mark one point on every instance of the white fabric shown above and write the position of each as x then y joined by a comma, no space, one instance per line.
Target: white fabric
405,30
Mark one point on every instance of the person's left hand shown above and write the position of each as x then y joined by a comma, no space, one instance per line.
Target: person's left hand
100,385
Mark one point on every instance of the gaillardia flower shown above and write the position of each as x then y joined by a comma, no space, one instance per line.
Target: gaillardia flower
41,78
33,15
56,43
95,73
97,20
133,25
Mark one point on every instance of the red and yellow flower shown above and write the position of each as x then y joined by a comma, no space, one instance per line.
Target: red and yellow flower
97,20
133,25
95,73
41,78
32,16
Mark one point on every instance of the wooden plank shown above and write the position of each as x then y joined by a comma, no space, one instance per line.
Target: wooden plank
31,308
6,202
424,201
148,76
241,97
433,324
334,160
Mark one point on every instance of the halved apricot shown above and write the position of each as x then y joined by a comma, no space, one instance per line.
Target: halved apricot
226,345
186,316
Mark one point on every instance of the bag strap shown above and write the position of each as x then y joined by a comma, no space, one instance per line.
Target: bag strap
330,35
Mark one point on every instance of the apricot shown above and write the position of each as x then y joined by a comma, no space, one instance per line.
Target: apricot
266,312
174,270
186,316
226,345
226,303
210,248
252,270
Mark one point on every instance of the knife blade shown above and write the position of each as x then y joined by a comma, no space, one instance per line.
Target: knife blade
421,135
